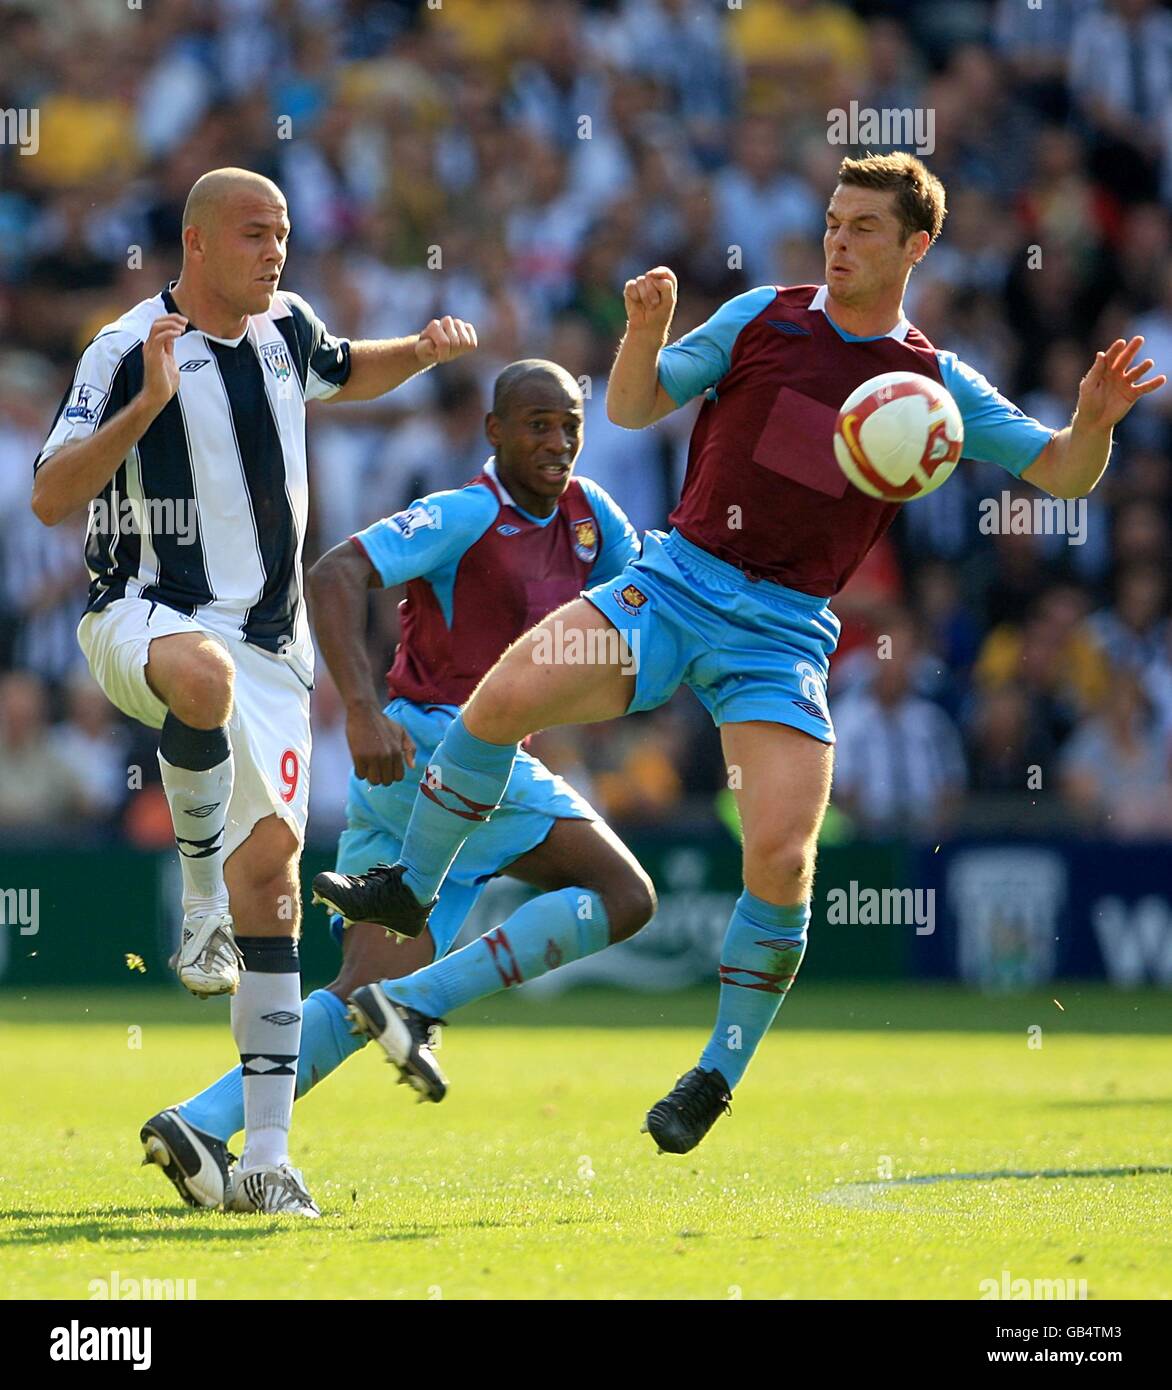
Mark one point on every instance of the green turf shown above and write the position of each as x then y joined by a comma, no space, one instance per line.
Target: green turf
532,1179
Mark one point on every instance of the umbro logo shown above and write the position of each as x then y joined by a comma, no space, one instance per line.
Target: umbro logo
202,812
507,530
795,330
281,1018
810,708
195,364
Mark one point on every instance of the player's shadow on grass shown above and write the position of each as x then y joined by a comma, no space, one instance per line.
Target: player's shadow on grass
194,1225
875,1194
925,1179
1110,1102
478,1223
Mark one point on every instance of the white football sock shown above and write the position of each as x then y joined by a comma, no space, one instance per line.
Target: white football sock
266,1024
199,812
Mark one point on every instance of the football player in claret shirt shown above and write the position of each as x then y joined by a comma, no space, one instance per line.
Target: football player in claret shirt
735,601
482,564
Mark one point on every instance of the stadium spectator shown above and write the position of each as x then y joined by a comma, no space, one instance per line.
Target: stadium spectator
800,56
1140,534
1157,683
1121,80
680,43
996,131
947,619
42,589
1035,41
1156,329
1052,656
1132,633
39,789
894,74
564,750
643,782
88,131
1008,741
488,32
758,202
68,280
1115,770
899,761
438,450
94,743
546,229
697,253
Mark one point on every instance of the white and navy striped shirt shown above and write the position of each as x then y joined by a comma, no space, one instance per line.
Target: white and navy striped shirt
207,512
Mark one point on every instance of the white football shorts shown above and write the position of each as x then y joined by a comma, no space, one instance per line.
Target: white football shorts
269,729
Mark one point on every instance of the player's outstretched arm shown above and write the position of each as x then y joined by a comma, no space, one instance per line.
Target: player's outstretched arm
338,586
1076,458
72,477
634,397
378,367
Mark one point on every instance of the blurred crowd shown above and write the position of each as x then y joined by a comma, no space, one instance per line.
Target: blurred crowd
513,162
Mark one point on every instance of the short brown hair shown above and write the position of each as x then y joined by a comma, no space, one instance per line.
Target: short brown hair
919,194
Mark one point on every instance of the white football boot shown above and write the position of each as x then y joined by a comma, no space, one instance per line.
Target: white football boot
198,1164
208,961
270,1187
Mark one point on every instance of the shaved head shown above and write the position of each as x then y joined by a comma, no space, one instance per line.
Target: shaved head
212,192
235,239
532,371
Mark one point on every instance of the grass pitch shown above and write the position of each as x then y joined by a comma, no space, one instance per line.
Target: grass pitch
887,1143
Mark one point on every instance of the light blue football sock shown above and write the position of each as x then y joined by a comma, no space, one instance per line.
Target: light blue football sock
326,1042
762,951
463,782
541,935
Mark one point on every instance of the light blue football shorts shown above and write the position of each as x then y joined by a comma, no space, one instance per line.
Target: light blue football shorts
750,649
376,821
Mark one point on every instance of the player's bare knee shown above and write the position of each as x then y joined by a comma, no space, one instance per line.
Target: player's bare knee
200,686
500,711
784,865
630,903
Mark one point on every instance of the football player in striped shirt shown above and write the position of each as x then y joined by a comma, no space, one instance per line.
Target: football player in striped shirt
183,432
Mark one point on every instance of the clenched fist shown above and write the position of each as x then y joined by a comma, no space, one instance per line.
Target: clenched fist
650,300
443,340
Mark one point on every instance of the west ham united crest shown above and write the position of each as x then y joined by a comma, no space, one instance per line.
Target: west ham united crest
276,359
630,598
585,540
